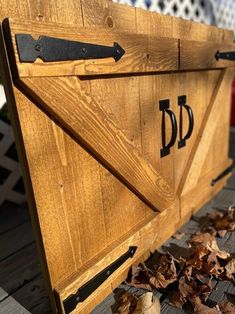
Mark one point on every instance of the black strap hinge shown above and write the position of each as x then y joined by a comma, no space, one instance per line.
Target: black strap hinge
222,175
55,49
83,292
229,55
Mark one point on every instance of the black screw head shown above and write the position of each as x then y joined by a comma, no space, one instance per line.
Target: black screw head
38,47
84,50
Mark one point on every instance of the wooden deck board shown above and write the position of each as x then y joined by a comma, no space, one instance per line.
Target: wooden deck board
21,284
15,239
18,269
12,216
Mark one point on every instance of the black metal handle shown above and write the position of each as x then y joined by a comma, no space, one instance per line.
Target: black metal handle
164,107
182,104
229,55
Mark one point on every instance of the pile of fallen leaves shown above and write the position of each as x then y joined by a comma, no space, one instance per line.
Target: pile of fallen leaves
188,279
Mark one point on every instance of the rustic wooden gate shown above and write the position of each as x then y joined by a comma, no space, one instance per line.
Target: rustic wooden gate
119,146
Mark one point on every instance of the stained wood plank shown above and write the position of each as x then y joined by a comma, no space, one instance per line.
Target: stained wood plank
118,210
19,268
169,26
198,55
144,236
76,192
109,15
15,239
205,135
94,127
105,91
142,53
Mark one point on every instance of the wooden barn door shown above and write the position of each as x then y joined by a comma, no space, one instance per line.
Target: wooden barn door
95,187
100,176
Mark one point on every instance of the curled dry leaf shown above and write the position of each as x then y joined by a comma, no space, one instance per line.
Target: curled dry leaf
176,299
139,277
148,304
178,235
128,303
200,308
208,241
192,275
165,272
230,269
226,307
221,222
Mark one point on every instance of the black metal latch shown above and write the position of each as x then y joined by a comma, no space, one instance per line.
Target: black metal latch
229,55
56,49
82,293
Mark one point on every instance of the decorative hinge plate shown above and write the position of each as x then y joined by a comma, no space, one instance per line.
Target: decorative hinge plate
229,55
83,292
51,49
222,175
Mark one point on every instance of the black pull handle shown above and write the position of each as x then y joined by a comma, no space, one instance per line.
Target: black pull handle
229,55
164,107
182,104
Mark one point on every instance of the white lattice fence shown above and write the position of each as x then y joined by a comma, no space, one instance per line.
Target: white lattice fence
217,12
11,186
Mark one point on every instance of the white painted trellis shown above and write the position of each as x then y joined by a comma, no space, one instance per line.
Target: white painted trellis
9,167
217,12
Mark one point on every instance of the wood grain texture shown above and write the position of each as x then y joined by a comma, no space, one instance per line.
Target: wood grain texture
90,124
169,26
201,55
125,110
84,216
187,83
145,235
203,192
205,135
142,53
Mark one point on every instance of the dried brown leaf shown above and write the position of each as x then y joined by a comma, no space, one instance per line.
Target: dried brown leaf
128,303
209,242
200,308
139,278
148,304
203,309
176,299
226,307
178,235
230,269
165,272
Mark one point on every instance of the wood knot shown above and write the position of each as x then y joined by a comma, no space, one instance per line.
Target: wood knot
109,21
40,17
